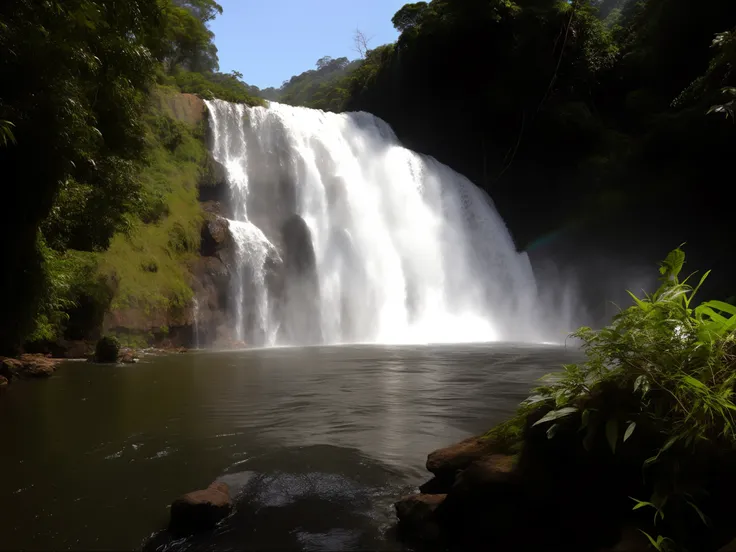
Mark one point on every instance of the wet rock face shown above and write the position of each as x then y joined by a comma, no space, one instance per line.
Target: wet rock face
300,307
213,185
299,257
212,288
200,510
215,236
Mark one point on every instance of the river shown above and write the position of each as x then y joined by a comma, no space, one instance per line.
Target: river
316,442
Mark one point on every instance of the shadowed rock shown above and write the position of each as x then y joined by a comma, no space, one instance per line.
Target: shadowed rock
200,510
416,515
301,309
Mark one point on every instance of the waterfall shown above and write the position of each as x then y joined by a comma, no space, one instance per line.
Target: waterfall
195,315
343,235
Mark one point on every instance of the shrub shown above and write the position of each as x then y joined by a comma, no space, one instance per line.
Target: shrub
670,366
107,349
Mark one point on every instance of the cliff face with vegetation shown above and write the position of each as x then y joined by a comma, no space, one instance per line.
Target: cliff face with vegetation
102,144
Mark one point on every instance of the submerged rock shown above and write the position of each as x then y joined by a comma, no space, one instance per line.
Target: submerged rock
200,510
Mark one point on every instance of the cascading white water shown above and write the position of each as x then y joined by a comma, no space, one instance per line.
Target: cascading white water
405,250
195,315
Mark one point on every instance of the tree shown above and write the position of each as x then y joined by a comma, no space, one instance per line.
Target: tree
74,78
188,39
361,43
409,16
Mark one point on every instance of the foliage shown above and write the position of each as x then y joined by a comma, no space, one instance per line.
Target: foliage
86,162
189,42
75,76
322,88
211,85
107,349
674,364
168,237
409,16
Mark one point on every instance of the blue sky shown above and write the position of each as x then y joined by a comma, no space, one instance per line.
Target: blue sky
271,40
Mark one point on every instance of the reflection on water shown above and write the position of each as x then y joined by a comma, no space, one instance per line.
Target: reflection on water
317,442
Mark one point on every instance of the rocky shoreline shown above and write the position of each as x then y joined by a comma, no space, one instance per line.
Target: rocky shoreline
516,489
41,366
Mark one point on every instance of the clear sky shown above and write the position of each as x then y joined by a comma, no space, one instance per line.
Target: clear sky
271,40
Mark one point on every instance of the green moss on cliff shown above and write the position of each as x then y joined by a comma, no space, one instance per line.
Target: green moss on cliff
149,261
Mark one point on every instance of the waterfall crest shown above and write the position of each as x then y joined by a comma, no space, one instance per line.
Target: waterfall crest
345,236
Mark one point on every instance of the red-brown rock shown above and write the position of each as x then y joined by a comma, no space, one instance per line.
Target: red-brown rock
36,366
488,471
200,510
128,356
416,515
449,460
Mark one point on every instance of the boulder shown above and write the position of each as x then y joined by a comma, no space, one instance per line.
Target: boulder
446,462
36,366
488,491
3,382
437,485
487,473
417,517
215,235
213,184
10,368
128,356
200,510
107,350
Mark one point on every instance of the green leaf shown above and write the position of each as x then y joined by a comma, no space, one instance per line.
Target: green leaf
721,306
534,399
672,265
552,431
668,444
702,516
691,381
629,431
643,305
612,433
656,544
641,504
700,284
585,418
556,414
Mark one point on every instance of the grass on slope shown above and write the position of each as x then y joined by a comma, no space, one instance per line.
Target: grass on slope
149,262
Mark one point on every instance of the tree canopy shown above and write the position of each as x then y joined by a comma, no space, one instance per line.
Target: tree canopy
76,80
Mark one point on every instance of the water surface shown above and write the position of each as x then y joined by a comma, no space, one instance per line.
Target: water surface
317,443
